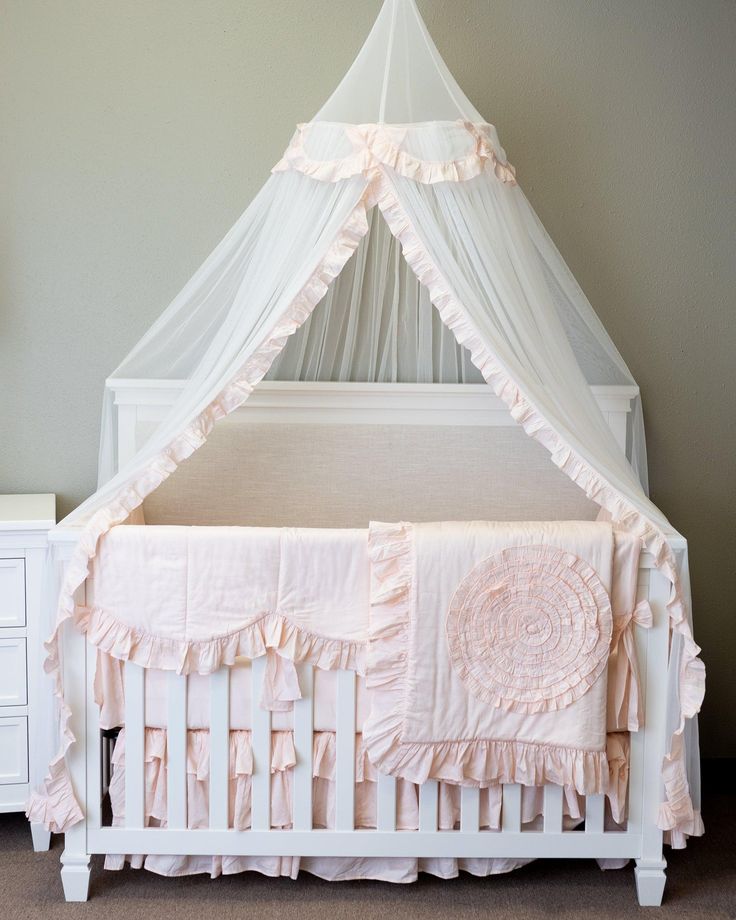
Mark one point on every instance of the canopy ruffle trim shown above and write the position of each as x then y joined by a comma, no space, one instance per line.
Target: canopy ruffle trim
375,146
691,668
272,631
472,762
50,803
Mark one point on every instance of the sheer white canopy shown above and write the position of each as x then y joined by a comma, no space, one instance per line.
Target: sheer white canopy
396,214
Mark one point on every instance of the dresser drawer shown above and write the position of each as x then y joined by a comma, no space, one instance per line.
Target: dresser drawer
13,750
13,684
12,592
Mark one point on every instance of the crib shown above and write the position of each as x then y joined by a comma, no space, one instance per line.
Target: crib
312,412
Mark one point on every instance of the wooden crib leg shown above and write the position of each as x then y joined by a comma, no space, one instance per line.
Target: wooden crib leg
650,880
41,837
75,864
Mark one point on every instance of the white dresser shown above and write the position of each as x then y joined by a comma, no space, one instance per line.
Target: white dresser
24,523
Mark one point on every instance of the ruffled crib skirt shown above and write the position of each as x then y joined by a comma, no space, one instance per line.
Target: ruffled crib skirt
283,759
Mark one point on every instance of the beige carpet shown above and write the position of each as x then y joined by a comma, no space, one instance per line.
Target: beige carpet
701,884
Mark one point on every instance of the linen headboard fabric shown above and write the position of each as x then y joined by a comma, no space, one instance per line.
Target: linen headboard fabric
282,475
340,455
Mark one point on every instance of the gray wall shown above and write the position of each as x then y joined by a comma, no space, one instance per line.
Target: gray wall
134,132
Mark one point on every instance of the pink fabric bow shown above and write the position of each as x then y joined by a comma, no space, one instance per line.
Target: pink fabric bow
624,696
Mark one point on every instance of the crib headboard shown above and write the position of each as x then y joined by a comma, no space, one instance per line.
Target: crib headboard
339,455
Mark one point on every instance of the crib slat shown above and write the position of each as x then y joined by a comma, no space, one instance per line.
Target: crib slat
469,809
134,745
428,803
261,735
219,748
303,743
552,809
594,811
386,803
97,780
511,808
176,751
345,744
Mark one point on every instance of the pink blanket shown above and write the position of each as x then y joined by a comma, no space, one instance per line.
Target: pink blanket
193,598
489,646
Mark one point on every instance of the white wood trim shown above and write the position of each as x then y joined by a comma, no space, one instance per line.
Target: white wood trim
386,802
595,809
469,809
303,746
511,808
220,750
428,806
176,750
296,402
261,741
345,752
319,842
135,716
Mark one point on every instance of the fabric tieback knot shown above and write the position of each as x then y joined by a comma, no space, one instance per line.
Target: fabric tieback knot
625,700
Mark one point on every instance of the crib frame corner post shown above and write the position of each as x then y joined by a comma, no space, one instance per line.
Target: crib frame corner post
649,872
75,859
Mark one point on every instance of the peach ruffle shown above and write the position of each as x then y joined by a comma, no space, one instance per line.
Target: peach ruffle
271,632
324,765
375,146
474,762
599,490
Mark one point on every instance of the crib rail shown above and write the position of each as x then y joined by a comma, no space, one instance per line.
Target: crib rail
469,839
639,839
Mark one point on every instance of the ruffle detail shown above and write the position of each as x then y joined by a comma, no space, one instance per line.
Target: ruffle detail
270,633
56,807
376,146
132,495
283,754
583,592
654,540
473,762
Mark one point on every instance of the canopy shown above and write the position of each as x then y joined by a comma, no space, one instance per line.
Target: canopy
400,188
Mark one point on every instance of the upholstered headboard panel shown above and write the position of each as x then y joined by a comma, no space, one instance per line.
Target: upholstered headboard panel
343,475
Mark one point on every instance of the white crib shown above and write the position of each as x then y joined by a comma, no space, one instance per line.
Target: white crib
641,840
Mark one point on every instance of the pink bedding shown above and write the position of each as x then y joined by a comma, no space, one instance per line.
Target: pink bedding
331,868
191,599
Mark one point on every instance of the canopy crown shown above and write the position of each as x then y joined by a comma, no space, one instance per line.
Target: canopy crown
398,77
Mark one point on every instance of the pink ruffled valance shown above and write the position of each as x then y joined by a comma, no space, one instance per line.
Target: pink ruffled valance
271,632
374,146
